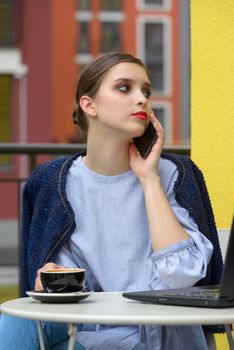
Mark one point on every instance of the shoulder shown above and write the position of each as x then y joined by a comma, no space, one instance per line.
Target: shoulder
54,166
166,167
185,172
182,162
47,174
47,170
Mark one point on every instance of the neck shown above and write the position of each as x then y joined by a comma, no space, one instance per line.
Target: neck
107,156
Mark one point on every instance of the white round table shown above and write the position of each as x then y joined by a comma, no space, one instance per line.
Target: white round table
112,308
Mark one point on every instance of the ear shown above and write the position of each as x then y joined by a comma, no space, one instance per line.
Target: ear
87,105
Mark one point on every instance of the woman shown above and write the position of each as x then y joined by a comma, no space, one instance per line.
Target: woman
112,212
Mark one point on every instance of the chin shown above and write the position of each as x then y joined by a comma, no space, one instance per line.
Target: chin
140,130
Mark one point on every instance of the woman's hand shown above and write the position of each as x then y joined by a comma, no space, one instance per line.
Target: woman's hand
147,168
46,267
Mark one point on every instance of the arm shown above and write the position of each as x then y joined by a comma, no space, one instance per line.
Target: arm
165,229
181,253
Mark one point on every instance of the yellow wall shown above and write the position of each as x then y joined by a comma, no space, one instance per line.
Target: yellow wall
212,101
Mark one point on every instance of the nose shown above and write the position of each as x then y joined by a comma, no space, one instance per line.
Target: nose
141,99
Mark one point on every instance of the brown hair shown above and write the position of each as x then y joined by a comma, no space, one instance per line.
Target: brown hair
91,78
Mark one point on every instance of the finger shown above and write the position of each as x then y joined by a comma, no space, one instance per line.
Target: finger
50,266
38,285
46,267
133,151
157,147
153,118
155,121
158,127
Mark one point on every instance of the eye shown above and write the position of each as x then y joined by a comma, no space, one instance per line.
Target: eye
124,88
147,93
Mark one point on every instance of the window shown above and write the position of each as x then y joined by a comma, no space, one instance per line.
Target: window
84,16
83,5
108,34
154,52
5,115
111,40
154,4
163,112
110,5
84,41
154,45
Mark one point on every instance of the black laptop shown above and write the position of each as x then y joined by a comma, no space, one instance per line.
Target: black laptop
221,295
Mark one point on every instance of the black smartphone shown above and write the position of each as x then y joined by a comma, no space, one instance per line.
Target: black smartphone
145,142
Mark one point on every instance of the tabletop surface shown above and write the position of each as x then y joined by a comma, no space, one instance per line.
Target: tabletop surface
112,308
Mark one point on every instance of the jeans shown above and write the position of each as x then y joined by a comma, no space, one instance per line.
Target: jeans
21,334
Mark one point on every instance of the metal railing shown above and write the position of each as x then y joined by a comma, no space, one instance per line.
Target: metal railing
32,150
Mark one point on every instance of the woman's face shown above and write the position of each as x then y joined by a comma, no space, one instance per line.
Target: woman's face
122,102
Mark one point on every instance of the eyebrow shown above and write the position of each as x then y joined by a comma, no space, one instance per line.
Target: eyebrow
145,83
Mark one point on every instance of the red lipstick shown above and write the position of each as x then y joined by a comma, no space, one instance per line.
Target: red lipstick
140,115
